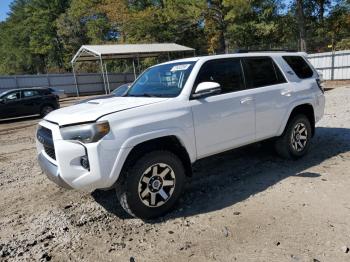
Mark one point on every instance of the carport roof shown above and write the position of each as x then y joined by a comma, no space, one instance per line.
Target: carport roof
97,52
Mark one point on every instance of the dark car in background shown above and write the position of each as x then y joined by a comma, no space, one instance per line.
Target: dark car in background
27,102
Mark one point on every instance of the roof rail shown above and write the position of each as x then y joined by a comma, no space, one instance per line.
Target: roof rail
263,50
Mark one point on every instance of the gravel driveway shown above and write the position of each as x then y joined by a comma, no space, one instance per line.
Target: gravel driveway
244,205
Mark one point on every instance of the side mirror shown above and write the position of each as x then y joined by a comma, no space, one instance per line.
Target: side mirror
205,89
2,101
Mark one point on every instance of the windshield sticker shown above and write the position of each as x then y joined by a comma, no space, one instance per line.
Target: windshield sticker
180,67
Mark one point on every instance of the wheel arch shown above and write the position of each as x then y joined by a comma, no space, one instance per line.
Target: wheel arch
306,109
170,143
46,104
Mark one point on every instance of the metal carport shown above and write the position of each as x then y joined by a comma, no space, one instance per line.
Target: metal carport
136,51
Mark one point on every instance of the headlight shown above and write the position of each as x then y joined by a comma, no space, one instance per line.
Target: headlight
86,133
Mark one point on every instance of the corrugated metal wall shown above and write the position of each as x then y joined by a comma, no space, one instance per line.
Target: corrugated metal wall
88,83
333,65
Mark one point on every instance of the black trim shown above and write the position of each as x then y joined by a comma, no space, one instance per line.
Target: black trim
240,51
44,136
52,122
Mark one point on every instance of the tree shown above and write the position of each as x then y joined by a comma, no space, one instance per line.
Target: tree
42,36
258,27
30,42
301,24
338,24
156,21
82,23
14,37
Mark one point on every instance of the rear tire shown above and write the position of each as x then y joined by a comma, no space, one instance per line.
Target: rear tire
295,140
151,185
46,110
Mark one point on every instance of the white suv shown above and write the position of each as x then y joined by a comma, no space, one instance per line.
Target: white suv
144,143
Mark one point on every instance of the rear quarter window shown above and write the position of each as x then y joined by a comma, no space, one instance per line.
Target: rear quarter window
299,66
30,93
262,71
46,92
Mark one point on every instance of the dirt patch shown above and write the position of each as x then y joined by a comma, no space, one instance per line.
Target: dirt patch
337,83
244,205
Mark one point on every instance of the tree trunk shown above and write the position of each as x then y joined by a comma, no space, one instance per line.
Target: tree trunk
222,42
219,14
301,25
321,4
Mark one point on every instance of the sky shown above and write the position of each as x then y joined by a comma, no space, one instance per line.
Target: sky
4,9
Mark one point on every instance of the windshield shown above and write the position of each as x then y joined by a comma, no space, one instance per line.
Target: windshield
162,81
2,94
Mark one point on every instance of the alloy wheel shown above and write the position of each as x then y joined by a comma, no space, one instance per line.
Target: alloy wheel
156,185
299,137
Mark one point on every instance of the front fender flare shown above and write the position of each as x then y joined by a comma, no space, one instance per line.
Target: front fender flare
131,142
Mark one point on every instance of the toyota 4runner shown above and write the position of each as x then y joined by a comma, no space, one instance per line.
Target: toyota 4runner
144,143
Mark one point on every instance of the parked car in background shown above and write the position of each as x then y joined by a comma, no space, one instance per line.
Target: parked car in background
27,102
144,143
119,91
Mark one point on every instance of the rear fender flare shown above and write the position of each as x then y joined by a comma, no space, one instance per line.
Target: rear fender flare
307,101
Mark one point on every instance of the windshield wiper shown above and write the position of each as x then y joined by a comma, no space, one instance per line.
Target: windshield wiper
144,95
149,95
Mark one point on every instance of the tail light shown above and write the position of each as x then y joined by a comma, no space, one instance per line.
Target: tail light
319,84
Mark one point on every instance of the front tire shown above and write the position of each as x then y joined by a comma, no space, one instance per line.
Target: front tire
151,186
295,140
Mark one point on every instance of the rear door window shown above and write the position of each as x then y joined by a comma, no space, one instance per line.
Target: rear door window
30,93
299,66
262,71
227,72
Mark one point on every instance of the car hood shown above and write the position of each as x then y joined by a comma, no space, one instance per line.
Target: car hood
94,98
96,108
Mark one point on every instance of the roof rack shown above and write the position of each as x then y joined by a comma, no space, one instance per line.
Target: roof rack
264,50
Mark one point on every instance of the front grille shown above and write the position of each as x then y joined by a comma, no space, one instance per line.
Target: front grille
44,136
50,152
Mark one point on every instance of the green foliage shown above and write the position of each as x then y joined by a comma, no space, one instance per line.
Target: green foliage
344,44
29,41
41,36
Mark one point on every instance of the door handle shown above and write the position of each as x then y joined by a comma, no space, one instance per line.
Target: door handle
246,100
286,92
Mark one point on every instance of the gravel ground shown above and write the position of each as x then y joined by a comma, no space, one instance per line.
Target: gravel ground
244,205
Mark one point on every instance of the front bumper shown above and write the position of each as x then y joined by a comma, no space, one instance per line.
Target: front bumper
51,171
62,163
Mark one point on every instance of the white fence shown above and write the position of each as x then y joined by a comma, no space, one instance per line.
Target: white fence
332,65
87,83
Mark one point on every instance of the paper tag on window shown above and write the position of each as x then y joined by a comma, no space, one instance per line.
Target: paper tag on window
180,67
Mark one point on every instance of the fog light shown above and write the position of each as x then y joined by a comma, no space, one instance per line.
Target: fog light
84,161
